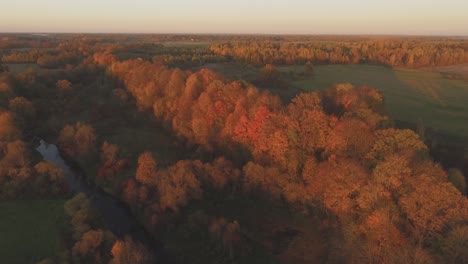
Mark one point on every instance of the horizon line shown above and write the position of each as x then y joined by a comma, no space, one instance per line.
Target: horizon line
235,34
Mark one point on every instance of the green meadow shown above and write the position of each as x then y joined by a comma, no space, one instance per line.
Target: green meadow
21,67
30,230
411,95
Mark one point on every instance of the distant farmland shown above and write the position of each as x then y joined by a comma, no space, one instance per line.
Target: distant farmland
21,67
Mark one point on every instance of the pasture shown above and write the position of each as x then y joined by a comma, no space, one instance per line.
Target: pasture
411,95
30,230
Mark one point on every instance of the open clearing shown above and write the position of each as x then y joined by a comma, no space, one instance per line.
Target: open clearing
29,230
411,95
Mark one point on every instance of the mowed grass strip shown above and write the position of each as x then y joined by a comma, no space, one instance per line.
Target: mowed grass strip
30,230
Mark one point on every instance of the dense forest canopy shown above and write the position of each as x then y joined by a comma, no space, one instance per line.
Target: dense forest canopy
253,179
335,149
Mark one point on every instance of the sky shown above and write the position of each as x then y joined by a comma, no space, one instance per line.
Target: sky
396,17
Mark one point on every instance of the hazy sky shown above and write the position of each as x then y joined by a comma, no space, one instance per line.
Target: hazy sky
424,17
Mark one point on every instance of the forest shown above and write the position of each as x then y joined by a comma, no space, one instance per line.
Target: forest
218,149
389,52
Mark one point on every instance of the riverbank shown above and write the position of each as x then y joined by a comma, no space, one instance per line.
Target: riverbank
117,216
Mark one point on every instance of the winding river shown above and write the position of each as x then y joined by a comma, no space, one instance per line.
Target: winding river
117,216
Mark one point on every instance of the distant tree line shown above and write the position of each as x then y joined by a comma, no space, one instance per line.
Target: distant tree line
44,58
25,41
408,53
173,56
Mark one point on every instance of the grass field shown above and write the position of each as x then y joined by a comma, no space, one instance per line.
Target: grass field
233,71
21,67
29,230
460,69
140,135
411,95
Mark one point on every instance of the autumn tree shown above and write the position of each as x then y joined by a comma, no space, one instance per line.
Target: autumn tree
431,213
16,154
304,102
78,139
109,152
129,192
104,58
22,107
15,171
89,242
49,178
350,138
87,248
147,169
220,173
177,185
63,85
267,180
6,89
391,141
392,173
8,130
23,110
129,251
81,214
337,185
